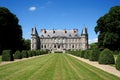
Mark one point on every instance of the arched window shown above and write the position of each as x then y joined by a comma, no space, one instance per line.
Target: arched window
72,46
54,46
41,46
42,36
44,46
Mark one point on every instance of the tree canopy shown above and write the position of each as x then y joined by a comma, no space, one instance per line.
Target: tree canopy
108,27
26,44
10,31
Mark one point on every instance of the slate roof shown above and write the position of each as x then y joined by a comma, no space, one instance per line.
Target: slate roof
59,33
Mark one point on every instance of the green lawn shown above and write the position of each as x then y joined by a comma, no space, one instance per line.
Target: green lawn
53,67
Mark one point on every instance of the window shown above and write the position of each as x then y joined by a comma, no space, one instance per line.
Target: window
72,46
44,46
41,46
54,46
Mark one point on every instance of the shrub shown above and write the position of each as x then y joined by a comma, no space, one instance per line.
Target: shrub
118,62
94,55
86,54
24,54
17,55
33,53
30,53
106,57
82,54
78,53
7,55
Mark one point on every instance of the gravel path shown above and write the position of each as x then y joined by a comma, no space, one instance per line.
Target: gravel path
107,68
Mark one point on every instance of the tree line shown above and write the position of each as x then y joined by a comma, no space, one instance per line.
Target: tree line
11,32
108,28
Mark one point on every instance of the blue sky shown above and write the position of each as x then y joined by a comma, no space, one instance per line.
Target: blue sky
59,14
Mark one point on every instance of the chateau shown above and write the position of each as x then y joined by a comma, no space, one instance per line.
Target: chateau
59,40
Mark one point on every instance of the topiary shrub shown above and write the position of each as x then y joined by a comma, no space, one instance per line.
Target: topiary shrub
24,54
33,53
17,55
94,55
118,62
106,57
29,53
82,53
7,55
86,54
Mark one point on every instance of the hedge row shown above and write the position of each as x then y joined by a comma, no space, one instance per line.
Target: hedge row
7,55
87,54
118,62
103,57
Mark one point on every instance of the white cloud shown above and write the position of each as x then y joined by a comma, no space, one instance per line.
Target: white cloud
32,8
93,40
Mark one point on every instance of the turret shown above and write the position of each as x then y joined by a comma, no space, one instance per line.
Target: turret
84,39
35,42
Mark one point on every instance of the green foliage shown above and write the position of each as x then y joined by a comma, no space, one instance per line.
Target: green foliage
24,54
87,54
106,57
94,55
30,53
82,54
10,31
17,55
118,62
26,44
93,45
7,55
108,27
76,53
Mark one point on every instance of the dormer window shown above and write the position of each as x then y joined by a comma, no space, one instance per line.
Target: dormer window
76,35
45,31
65,31
48,35
53,31
42,36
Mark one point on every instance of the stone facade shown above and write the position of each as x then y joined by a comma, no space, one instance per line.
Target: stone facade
59,40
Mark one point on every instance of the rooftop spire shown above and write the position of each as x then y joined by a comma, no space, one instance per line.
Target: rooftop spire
84,31
34,31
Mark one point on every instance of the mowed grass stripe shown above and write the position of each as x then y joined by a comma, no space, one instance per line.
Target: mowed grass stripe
78,70
92,72
23,69
53,67
46,72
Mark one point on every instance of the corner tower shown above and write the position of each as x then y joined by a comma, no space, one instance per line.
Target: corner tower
84,39
35,42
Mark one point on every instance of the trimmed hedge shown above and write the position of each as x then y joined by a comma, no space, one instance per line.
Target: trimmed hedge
106,57
87,54
24,54
7,55
82,54
17,55
118,62
94,55
29,53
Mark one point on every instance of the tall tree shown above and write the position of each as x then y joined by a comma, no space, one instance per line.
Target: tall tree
26,44
10,31
108,27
